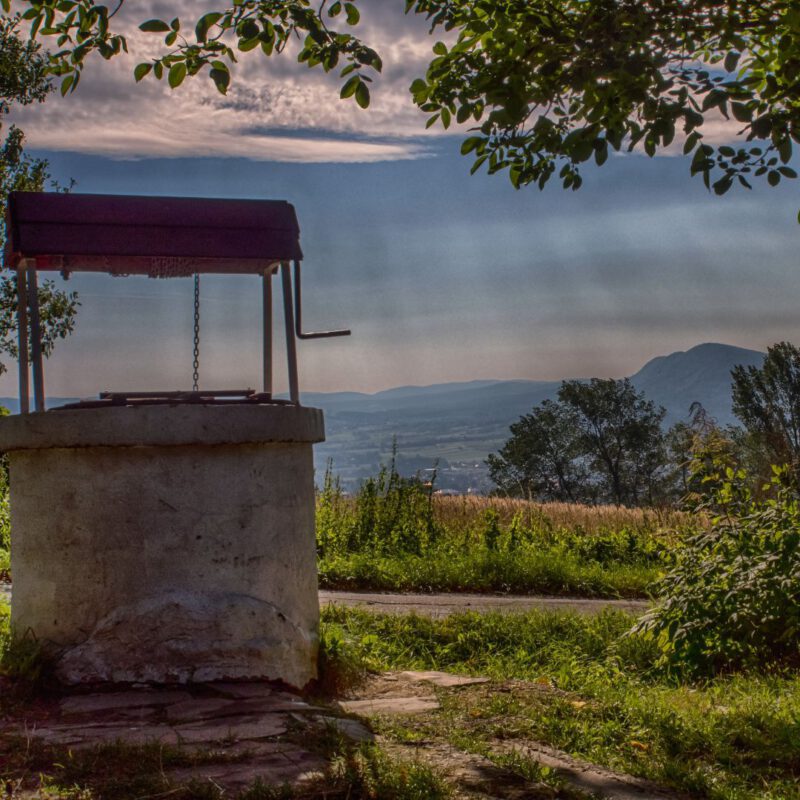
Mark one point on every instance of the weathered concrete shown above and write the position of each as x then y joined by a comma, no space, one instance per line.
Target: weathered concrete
167,543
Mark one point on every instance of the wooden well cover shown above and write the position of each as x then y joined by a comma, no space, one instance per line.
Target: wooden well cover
156,236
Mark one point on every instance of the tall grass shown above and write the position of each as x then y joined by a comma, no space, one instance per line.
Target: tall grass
395,533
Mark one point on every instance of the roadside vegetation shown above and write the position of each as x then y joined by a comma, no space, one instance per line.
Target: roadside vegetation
396,534
702,694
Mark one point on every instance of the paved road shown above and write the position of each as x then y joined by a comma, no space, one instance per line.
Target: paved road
440,605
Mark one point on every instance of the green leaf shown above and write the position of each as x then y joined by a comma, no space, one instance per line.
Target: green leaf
773,177
353,15
141,71
362,95
154,26
221,78
349,89
787,172
731,60
469,144
176,75
335,9
723,184
67,83
205,23
440,48
741,112
477,165
419,90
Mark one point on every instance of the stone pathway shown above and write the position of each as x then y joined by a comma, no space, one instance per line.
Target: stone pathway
442,605
239,727
398,694
250,731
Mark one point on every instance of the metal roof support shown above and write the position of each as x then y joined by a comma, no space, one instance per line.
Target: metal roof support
22,341
36,341
298,312
267,315
291,343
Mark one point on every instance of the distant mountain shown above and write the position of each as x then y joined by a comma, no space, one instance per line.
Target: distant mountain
702,374
456,425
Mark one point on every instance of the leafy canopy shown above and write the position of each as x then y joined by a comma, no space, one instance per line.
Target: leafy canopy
546,86
600,442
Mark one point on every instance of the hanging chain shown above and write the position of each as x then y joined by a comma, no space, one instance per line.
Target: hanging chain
196,362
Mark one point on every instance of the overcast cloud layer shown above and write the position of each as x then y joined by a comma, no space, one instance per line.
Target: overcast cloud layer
276,109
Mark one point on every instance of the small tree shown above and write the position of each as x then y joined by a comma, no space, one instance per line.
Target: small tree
541,459
767,401
621,435
600,441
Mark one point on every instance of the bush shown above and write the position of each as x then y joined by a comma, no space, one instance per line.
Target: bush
731,600
389,515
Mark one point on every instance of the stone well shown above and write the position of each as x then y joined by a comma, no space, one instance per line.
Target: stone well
166,543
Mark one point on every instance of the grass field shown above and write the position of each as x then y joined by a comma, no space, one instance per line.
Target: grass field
579,684
396,536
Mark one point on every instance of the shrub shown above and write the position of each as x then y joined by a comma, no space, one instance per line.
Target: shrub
731,599
390,514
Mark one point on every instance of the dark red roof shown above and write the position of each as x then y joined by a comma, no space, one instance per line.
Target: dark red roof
160,236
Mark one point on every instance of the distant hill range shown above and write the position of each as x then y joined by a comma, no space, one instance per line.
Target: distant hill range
456,425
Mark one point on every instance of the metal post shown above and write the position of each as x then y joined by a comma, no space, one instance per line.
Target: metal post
291,344
267,306
22,342
36,341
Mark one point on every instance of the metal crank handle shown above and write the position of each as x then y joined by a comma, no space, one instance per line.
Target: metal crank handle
298,319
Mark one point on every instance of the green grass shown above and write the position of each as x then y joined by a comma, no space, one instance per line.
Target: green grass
396,535
578,684
552,571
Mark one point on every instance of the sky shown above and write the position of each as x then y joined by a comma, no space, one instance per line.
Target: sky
441,276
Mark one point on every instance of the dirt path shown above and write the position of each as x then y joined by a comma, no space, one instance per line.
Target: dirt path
441,605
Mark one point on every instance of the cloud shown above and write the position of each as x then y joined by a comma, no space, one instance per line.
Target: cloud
111,115
276,109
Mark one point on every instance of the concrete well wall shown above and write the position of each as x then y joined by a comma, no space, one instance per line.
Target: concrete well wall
166,543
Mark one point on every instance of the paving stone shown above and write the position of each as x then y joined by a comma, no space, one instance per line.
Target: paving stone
351,728
390,705
247,689
271,769
91,735
239,749
443,679
199,708
233,728
143,713
110,701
